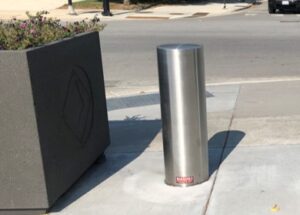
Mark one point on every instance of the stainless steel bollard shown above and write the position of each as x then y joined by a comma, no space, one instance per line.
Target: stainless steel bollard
183,107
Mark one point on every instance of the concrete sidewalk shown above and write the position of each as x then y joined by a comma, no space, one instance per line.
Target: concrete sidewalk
18,9
30,5
254,146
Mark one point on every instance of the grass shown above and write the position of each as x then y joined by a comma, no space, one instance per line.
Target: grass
114,4
118,4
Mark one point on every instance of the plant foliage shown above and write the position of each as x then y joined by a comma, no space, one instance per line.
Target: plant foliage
38,30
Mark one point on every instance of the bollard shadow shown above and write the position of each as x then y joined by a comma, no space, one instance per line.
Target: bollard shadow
129,138
221,145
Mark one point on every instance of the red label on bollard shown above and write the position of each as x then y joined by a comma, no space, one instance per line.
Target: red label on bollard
185,180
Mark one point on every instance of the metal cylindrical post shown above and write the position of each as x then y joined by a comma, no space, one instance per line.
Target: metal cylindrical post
183,107
106,9
71,10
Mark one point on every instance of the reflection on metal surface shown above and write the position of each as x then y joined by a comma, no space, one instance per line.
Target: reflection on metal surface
183,107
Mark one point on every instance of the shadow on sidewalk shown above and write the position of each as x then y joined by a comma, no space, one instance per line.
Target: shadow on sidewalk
129,138
229,140
137,101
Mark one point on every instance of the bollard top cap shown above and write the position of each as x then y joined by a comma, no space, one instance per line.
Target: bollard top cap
183,46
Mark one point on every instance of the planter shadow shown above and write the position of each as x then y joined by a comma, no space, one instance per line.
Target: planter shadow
137,101
129,138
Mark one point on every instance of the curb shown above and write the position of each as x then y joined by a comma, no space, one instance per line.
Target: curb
244,8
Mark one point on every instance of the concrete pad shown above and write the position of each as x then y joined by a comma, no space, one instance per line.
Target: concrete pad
211,8
258,180
147,106
223,98
9,10
30,5
135,107
136,119
114,90
144,134
132,184
218,125
214,142
139,129
132,136
61,14
150,112
266,130
217,135
272,99
133,101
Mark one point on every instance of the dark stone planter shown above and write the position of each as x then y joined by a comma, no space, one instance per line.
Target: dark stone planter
53,121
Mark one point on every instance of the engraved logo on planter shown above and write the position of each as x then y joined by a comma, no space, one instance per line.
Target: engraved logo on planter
78,105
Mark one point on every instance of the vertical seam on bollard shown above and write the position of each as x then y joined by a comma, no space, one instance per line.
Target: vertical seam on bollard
222,153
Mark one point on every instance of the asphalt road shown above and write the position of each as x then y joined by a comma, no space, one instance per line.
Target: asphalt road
250,45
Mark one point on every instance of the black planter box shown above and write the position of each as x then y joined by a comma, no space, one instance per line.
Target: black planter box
53,121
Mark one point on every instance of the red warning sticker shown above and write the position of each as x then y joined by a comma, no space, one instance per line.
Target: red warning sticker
185,180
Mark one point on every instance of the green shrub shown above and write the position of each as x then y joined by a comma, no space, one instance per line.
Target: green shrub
38,30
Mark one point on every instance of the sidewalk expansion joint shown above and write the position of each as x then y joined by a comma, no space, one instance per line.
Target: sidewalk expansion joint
222,155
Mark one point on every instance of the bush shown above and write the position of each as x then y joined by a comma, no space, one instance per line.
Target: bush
38,30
